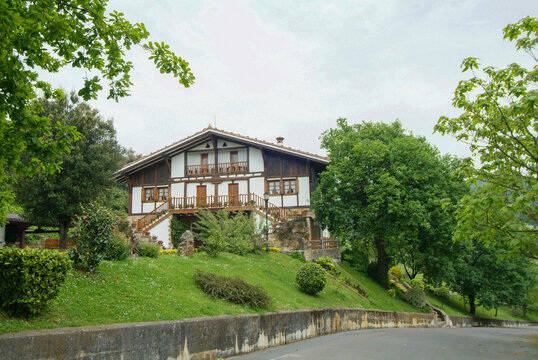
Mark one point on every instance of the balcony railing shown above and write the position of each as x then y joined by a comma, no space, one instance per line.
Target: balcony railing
239,167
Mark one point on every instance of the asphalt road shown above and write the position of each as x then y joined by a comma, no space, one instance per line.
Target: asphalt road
416,344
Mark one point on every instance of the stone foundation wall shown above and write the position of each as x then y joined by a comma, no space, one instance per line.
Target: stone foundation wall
202,338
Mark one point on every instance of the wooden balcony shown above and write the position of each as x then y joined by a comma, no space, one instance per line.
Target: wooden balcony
240,167
193,204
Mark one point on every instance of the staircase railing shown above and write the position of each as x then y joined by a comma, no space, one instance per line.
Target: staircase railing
147,219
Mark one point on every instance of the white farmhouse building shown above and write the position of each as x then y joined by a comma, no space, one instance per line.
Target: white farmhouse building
214,169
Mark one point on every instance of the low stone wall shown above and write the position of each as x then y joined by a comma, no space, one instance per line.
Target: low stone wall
211,337
466,321
314,254
199,338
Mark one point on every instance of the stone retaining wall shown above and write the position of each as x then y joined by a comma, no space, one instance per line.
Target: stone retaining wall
202,338
466,321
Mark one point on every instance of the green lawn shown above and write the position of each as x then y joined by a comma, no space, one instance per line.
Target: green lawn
454,306
144,289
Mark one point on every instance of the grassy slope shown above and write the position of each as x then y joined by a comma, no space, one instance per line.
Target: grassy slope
454,306
144,289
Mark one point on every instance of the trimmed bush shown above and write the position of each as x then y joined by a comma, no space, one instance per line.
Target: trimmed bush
29,278
311,278
119,248
235,290
416,297
442,292
148,250
396,272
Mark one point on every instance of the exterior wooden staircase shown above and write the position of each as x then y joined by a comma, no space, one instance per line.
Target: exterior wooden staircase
193,204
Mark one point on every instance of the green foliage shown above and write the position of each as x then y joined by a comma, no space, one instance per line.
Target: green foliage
86,170
416,297
178,227
118,248
499,122
93,237
40,37
385,188
356,257
327,263
221,232
298,256
396,272
442,292
232,289
484,275
29,278
416,283
311,278
148,250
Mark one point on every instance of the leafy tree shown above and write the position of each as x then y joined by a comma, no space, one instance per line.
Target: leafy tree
387,187
44,36
499,122
485,278
87,169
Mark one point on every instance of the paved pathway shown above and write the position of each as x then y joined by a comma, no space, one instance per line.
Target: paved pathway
416,344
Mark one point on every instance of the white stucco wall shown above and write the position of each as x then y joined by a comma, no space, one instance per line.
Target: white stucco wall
202,146
191,188
195,158
304,191
162,231
178,165
177,190
136,198
277,200
229,144
148,207
224,155
257,186
289,200
256,160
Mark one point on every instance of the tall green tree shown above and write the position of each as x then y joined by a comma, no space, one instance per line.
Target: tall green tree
499,122
488,279
386,187
86,170
42,36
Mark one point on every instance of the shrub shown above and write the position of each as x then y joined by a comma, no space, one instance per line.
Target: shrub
442,292
327,263
119,248
148,250
92,237
396,272
311,278
416,297
177,228
29,278
221,232
416,282
298,256
235,290
380,276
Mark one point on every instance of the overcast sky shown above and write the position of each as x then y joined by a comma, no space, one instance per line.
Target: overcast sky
291,68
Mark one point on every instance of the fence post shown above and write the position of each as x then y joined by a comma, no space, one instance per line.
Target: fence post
302,244
337,243
322,244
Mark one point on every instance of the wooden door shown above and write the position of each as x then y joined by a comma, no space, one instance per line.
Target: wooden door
233,194
201,195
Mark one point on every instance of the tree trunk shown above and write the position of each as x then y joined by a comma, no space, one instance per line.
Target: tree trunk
382,261
64,226
472,307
